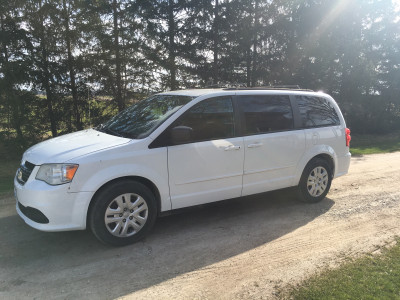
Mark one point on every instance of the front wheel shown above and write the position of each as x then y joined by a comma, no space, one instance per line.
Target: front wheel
315,181
123,213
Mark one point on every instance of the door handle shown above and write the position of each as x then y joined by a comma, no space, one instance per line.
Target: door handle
232,147
255,145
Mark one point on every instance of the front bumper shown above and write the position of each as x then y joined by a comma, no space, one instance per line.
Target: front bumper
51,208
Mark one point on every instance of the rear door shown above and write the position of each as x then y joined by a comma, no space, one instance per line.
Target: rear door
209,167
272,146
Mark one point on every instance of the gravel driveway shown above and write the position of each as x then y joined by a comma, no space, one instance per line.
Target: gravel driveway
249,248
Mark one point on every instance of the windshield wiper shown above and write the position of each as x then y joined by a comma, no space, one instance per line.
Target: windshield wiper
104,129
99,127
108,130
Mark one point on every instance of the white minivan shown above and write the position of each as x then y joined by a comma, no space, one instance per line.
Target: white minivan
179,149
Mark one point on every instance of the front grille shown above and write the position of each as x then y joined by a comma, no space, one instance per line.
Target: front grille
24,172
33,214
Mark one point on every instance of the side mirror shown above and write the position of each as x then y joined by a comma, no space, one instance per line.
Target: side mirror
181,134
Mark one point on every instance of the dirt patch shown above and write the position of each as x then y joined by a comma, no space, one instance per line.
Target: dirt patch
249,248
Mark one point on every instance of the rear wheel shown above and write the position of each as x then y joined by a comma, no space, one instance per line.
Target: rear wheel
315,181
123,213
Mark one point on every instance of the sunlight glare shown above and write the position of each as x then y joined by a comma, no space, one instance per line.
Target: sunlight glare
396,5
330,18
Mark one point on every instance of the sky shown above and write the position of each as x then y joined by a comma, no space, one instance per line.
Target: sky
397,3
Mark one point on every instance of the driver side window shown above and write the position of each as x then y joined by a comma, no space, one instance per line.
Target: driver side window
209,120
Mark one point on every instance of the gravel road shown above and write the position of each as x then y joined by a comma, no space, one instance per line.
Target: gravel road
249,248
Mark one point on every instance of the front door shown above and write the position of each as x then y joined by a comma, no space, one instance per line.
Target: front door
209,167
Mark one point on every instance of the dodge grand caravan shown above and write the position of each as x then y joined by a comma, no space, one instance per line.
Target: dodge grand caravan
179,149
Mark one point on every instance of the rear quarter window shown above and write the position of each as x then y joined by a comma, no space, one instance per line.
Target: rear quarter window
316,112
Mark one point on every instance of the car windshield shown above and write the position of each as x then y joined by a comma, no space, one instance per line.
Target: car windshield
141,119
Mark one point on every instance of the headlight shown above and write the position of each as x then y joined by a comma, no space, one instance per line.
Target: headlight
55,174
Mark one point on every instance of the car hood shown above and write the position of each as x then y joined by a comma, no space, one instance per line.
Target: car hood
69,146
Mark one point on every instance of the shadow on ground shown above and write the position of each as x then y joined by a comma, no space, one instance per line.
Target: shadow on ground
75,265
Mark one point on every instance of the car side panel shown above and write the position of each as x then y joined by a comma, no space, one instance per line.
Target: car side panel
271,160
129,160
323,140
204,172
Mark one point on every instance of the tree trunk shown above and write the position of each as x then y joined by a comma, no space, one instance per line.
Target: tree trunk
46,78
8,93
118,81
248,67
71,64
17,119
49,102
215,43
171,36
255,42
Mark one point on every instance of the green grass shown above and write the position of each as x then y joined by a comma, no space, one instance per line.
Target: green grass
371,144
370,277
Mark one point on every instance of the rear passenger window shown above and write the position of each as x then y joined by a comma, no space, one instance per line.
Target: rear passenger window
266,113
316,111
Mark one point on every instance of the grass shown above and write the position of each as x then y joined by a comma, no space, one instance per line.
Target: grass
371,144
370,277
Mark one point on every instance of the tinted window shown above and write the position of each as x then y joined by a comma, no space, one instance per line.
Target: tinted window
316,111
267,113
210,119
142,118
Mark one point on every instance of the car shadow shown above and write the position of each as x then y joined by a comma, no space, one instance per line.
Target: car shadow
32,261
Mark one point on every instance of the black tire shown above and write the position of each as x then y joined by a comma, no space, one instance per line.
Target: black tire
133,222
315,190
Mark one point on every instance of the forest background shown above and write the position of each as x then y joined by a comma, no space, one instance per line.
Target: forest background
68,65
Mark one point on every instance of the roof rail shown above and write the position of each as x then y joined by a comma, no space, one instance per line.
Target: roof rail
274,87
225,86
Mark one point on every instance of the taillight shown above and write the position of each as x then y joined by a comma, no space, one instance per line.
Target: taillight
348,137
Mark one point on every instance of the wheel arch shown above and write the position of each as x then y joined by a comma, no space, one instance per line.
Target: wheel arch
146,182
325,153
319,183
